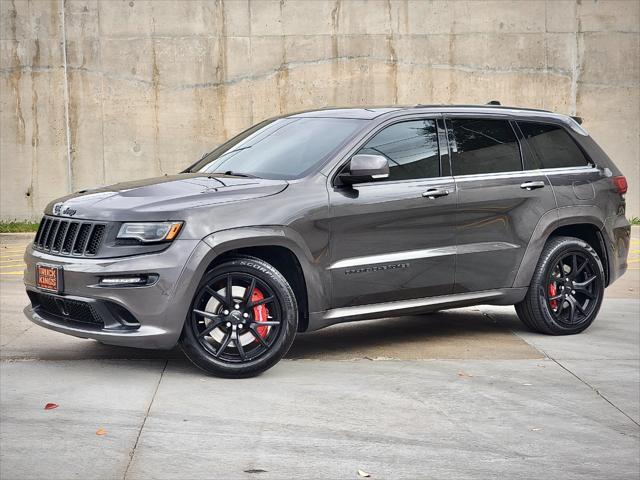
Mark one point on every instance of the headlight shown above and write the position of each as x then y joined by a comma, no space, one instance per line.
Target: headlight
150,232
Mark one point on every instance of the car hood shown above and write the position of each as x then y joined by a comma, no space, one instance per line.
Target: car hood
162,197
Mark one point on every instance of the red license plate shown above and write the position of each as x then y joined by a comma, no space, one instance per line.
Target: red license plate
49,277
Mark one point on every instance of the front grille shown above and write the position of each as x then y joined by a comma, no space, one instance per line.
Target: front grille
69,237
73,310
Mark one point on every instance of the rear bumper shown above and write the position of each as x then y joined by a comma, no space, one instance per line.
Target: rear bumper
617,238
145,317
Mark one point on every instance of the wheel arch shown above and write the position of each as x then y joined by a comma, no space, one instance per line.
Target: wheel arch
283,249
583,222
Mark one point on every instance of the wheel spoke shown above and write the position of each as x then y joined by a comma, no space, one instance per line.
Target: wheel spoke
224,344
584,284
229,290
586,292
556,297
560,307
213,325
560,268
581,267
572,308
574,265
239,346
578,306
217,296
264,324
249,291
260,302
209,315
258,337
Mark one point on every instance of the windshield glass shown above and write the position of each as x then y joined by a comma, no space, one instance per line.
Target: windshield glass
286,148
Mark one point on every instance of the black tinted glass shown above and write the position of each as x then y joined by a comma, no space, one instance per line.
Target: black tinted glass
552,146
484,146
286,148
410,147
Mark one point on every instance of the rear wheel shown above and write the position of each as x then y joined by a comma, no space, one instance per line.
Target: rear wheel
242,321
566,290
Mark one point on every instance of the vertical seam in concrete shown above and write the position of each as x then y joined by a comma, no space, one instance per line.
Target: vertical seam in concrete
144,421
104,166
251,97
575,64
66,97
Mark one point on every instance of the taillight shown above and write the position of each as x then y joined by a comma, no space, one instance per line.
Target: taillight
621,184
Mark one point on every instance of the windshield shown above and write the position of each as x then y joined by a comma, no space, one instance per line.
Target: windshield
286,148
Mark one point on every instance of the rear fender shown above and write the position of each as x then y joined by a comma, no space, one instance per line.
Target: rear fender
548,223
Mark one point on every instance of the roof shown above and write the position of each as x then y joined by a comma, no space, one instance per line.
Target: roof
364,113
369,113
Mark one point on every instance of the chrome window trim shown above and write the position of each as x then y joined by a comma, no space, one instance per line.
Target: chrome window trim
413,182
526,173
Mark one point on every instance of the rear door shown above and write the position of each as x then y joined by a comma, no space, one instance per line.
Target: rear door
499,203
573,176
395,239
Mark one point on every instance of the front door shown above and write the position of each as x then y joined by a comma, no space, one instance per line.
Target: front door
395,239
499,204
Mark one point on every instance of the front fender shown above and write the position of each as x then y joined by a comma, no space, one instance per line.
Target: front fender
317,280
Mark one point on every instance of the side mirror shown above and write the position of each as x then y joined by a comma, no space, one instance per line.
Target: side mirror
365,168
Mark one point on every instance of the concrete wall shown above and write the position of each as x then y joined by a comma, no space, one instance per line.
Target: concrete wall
100,91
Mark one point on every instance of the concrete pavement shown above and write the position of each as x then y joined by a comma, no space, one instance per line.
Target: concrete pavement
466,393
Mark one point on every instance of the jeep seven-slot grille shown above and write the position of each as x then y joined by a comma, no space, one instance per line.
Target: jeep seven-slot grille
69,237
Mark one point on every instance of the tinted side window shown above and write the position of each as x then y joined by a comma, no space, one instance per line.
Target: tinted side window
484,146
410,147
552,146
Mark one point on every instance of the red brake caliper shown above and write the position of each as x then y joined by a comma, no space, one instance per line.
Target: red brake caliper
260,313
552,293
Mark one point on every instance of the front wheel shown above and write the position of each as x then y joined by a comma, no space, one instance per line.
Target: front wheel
242,321
566,290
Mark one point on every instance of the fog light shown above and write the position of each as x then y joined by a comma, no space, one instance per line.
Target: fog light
133,281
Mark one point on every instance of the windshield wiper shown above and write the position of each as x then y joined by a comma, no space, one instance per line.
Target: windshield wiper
231,173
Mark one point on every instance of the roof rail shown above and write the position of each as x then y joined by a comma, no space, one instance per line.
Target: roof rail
493,102
578,120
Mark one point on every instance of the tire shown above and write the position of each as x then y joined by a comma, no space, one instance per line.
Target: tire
261,316
566,290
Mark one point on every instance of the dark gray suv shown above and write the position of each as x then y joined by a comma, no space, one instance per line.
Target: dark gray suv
320,217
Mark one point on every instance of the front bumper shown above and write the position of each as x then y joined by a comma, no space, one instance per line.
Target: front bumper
145,316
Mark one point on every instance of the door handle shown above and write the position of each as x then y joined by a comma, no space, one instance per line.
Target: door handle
435,193
532,185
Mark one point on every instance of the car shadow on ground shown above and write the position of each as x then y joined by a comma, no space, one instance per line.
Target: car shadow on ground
453,334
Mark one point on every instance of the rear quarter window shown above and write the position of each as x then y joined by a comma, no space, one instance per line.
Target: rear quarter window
552,146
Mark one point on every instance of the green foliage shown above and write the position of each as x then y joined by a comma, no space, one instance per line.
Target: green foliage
15,227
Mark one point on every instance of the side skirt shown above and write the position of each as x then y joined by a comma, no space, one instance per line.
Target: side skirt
504,296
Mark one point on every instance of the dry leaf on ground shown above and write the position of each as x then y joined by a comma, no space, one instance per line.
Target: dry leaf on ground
362,473
101,431
50,406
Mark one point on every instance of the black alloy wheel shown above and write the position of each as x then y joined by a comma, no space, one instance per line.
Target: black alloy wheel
243,319
573,291
566,290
